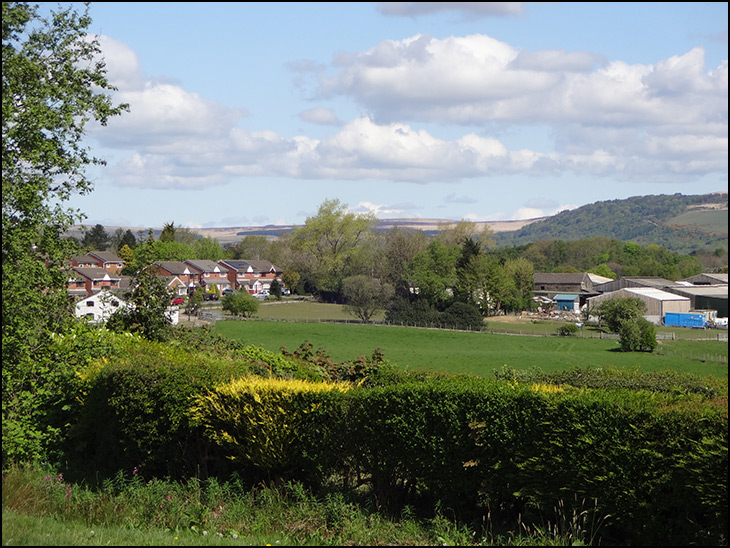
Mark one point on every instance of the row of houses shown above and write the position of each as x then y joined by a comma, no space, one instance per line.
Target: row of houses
706,293
95,271
96,284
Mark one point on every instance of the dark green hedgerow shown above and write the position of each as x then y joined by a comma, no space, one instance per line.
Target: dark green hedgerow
655,463
672,382
649,449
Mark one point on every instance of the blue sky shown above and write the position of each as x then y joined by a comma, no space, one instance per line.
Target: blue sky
255,113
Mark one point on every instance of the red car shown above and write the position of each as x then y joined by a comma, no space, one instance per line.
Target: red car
177,300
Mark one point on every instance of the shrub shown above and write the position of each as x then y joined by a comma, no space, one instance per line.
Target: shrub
258,420
567,330
637,335
462,316
240,303
416,312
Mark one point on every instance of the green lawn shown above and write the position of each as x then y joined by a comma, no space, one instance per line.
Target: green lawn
475,353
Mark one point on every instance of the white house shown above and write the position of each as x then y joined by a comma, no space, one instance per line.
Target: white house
98,307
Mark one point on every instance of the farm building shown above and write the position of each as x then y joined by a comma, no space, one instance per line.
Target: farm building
582,284
567,302
704,297
658,302
633,281
707,279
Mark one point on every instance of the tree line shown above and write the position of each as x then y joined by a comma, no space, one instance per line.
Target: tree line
339,257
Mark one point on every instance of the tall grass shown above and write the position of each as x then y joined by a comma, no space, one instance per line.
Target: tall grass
41,509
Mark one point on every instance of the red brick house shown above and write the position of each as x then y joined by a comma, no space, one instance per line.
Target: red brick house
180,277
85,281
99,259
209,275
254,276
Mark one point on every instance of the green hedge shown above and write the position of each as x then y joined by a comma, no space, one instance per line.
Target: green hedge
650,449
655,463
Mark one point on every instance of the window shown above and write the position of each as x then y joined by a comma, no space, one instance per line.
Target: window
89,303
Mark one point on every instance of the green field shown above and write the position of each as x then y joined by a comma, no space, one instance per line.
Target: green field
475,353
708,221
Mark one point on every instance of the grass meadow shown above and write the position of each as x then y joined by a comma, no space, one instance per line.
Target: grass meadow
476,353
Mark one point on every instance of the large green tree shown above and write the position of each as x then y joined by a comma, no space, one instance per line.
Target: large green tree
54,84
96,239
329,244
432,273
365,296
614,312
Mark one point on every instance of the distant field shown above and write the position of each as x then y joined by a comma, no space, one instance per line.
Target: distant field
714,221
314,311
475,353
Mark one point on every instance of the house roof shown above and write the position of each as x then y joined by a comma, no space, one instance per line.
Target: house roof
718,278
176,268
254,266
596,279
84,259
204,265
94,273
703,290
106,256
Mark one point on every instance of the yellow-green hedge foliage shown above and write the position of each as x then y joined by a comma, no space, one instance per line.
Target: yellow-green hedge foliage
258,419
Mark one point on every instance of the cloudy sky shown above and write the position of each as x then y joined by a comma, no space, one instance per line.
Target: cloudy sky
255,113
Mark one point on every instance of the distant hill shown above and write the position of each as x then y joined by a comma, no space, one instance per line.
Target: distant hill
681,223
677,222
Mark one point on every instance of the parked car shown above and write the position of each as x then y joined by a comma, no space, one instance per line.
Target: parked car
178,300
261,294
210,296
228,291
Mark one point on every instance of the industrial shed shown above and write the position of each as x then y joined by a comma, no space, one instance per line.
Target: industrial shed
708,279
633,281
658,302
705,297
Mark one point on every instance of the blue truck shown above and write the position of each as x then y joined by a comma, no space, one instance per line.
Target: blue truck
684,319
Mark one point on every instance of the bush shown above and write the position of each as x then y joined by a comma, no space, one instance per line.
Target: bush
654,462
567,330
637,335
258,420
134,415
416,312
462,316
240,303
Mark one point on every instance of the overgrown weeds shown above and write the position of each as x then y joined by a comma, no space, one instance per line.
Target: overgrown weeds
211,512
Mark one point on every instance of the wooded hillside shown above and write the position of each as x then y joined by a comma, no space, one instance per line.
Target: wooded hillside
663,220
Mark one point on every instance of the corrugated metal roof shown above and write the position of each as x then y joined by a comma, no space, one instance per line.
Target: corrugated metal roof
565,297
704,290
653,293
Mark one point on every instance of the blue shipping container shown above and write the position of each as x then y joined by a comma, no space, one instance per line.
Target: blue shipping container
679,319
